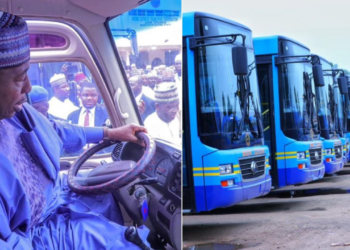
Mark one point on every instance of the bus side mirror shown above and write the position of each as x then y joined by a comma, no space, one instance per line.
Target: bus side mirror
318,75
342,83
240,60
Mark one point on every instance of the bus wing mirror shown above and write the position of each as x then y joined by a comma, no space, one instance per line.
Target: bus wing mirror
318,75
342,83
240,60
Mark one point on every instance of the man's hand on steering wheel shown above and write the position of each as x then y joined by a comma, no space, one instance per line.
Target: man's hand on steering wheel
125,133
107,177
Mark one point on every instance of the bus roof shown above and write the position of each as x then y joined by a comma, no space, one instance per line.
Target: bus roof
189,17
82,11
268,45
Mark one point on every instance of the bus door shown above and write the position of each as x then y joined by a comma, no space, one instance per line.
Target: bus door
264,71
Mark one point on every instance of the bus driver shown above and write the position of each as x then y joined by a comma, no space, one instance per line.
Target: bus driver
36,210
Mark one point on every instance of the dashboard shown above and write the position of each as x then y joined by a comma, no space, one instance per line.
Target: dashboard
164,195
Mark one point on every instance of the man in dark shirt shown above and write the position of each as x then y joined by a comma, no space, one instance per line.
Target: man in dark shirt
145,104
91,114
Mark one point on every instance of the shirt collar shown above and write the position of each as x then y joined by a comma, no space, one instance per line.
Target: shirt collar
92,111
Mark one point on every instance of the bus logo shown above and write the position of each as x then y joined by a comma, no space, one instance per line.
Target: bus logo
253,167
316,156
247,139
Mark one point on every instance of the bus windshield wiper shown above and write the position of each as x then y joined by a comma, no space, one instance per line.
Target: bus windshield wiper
244,93
203,41
309,97
333,108
345,100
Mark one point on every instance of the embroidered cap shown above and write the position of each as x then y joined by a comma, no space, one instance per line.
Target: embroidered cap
165,92
14,41
38,94
57,80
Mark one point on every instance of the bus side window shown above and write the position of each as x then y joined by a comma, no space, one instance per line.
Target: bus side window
66,91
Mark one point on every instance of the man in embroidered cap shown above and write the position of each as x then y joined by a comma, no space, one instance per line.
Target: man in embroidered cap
37,209
39,100
164,123
60,105
152,79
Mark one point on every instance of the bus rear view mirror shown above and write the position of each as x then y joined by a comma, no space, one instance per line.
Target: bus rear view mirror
318,75
342,83
240,60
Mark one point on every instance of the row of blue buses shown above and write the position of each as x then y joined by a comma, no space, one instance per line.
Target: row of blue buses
258,114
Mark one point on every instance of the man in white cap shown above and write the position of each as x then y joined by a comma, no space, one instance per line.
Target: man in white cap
164,123
37,209
60,105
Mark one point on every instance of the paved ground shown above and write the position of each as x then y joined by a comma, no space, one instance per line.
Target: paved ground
317,217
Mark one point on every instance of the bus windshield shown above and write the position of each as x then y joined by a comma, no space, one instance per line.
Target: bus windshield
220,110
339,116
148,40
324,103
298,107
323,108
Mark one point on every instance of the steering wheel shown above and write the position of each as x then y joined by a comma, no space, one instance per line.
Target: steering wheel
109,177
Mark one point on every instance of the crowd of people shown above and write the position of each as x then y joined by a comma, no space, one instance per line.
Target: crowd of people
86,111
157,92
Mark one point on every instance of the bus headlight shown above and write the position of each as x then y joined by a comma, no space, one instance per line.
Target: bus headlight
328,151
225,169
300,155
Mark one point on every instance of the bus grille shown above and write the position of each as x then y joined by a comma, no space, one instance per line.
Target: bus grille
247,167
316,156
338,152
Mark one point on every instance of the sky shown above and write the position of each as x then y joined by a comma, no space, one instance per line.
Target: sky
321,25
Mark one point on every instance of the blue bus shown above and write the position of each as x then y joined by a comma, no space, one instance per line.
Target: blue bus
340,93
347,112
224,157
327,99
285,76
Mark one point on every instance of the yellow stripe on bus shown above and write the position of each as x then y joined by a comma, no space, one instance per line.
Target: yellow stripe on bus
287,153
211,168
268,127
216,174
197,174
212,174
285,157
